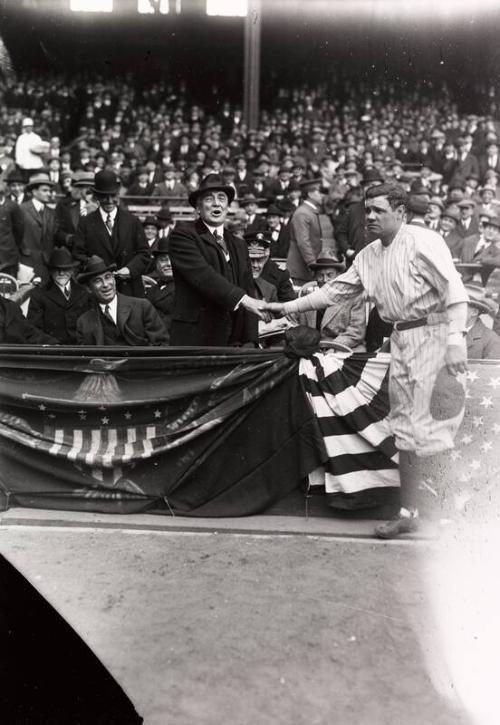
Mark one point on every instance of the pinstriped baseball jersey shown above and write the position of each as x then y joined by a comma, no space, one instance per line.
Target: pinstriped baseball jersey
409,279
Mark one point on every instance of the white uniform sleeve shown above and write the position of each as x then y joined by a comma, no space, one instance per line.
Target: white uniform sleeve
438,268
345,286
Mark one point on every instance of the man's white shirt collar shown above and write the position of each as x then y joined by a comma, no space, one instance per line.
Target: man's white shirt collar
39,206
112,214
113,308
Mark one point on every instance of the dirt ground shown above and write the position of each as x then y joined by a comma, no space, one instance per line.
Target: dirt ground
244,629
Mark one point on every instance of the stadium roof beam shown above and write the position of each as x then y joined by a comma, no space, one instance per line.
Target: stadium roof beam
251,80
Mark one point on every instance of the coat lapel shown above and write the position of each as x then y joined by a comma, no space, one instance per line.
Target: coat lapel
100,232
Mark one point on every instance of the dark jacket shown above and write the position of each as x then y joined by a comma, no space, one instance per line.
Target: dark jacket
127,247
38,238
50,311
161,296
67,220
11,233
207,289
280,278
16,330
482,343
137,321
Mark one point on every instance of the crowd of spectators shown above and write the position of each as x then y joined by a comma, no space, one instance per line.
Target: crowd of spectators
311,145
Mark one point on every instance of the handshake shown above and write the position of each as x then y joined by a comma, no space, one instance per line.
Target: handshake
264,310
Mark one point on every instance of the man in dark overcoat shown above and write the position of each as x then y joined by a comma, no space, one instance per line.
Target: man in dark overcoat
213,303
11,233
114,234
56,306
39,226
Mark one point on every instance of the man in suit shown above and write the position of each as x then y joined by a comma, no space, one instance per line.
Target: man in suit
161,295
116,319
72,207
39,226
468,221
255,222
11,233
114,234
213,281
449,221
467,163
305,233
489,160
17,187
482,343
170,188
15,329
56,306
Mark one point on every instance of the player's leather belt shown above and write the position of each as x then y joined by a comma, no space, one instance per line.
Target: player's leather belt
410,324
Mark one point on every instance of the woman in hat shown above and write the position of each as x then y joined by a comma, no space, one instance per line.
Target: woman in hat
56,305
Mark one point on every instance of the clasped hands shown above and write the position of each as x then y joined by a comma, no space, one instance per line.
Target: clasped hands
263,310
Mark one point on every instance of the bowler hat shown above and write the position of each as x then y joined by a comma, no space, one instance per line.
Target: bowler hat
327,261
418,189
95,265
61,259
162,248
478,298
372,175
164,215
15,177
83,178
106,182
212,182
152,221
39,179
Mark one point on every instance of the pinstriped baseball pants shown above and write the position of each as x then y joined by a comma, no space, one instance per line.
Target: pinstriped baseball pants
417,355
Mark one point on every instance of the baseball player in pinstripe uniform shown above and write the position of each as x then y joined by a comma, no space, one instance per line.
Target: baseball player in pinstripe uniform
409,274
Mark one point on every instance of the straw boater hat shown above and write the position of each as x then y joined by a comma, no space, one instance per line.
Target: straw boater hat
83,178
95,265
212,182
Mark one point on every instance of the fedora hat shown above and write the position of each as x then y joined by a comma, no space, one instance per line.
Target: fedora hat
162,248
416,205
248,199
212,182
478,298
437,201
465,203
15,177
164,215
274,210
95,265
106,182
83,178
327,261
306,183
61,259
493,221
450,213
39,179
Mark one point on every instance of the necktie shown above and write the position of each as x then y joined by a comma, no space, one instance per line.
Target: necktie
107,314
109,224
219,238
67,292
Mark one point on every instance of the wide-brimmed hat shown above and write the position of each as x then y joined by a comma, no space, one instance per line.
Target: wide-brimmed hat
478,298
95,265
106,182
327,261
162,248
83,178
61,259
211,182
39,179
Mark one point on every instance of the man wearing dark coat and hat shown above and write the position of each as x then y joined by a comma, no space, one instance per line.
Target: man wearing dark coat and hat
116,319
213,305
114,234
161,294
56,306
